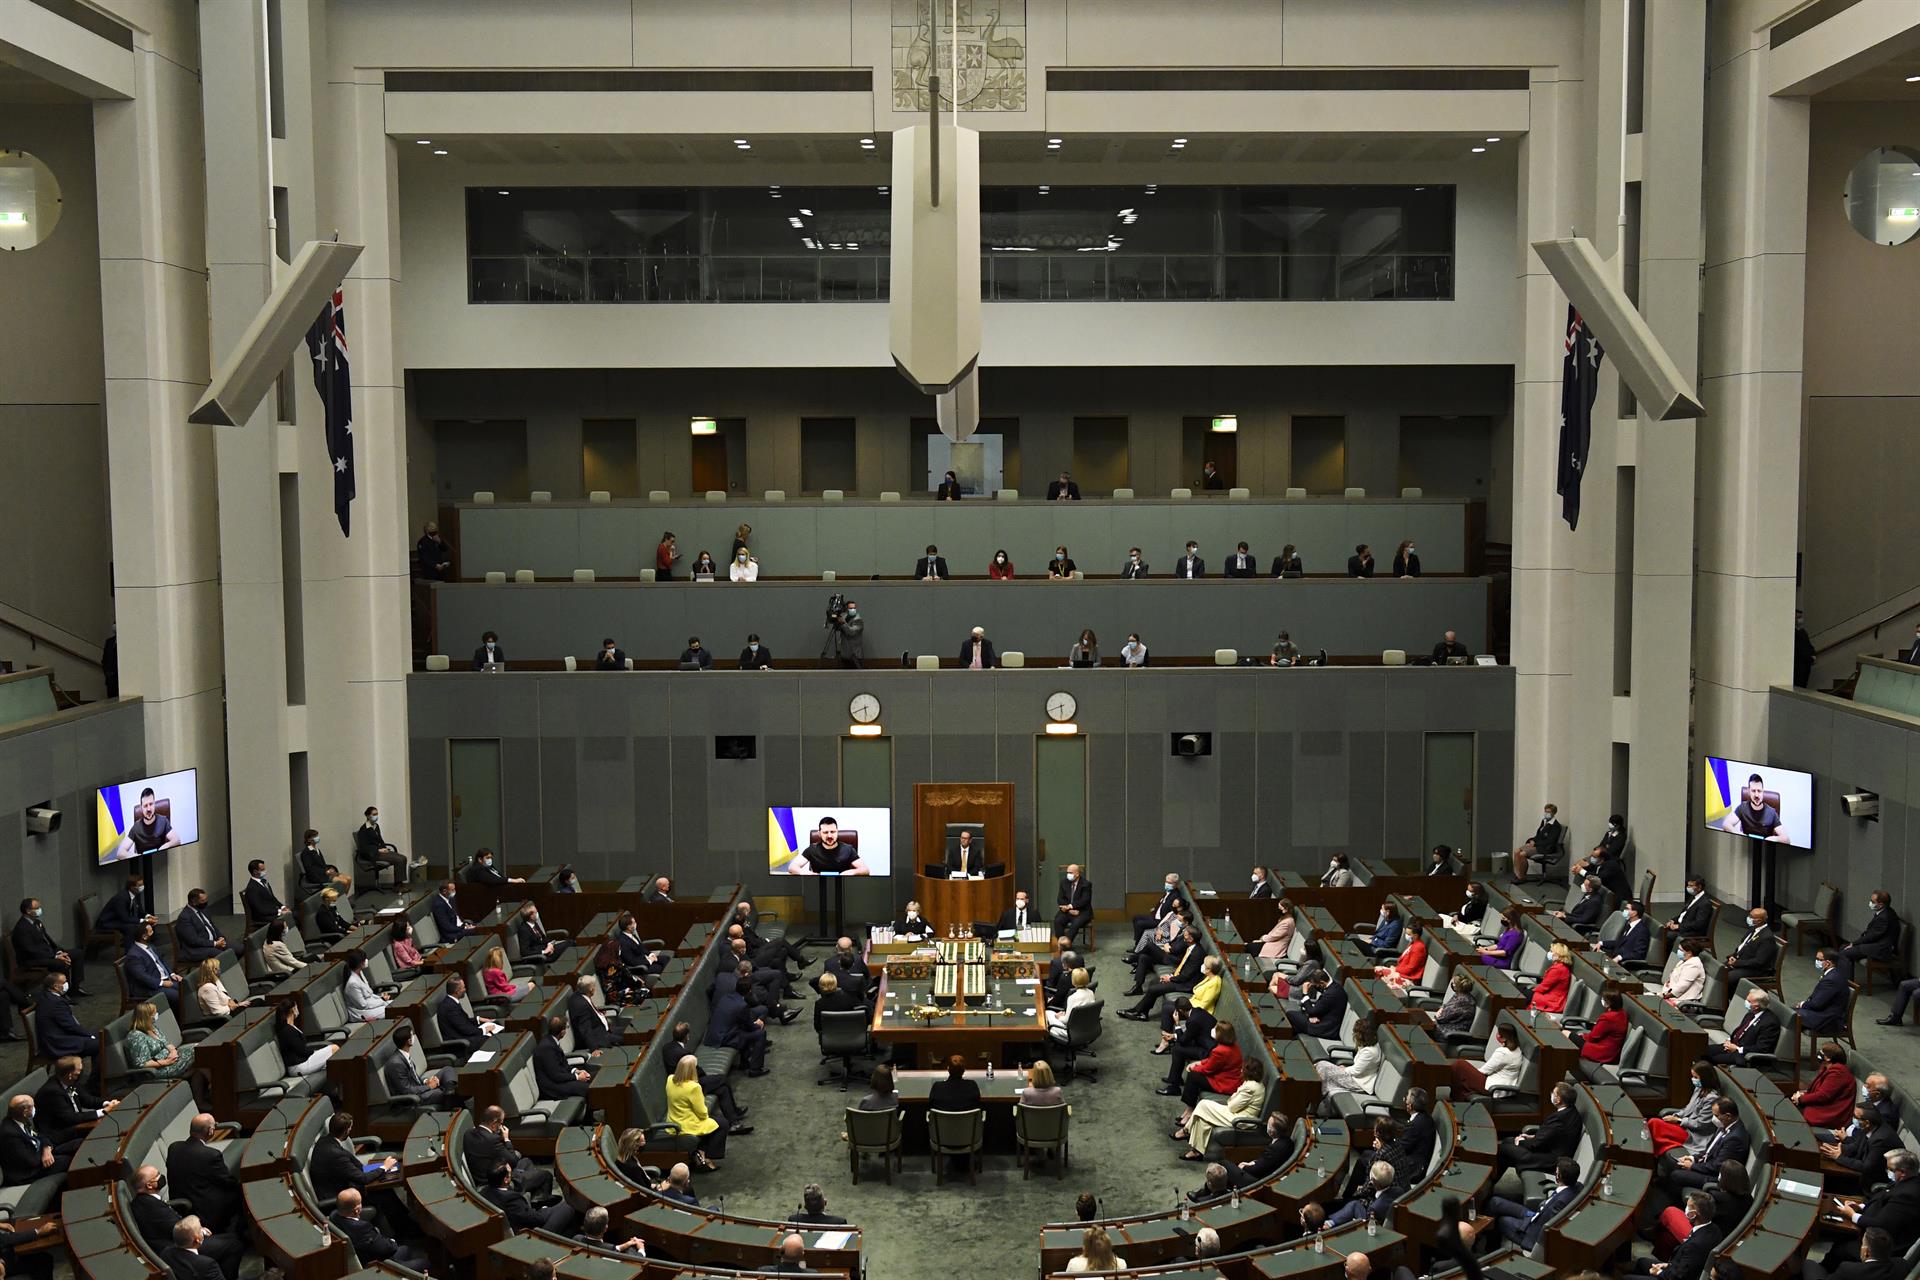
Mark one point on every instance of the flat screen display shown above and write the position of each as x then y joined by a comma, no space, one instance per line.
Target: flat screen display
829,841
150,815
1758,801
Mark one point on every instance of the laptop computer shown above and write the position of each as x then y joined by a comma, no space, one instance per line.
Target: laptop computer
493,666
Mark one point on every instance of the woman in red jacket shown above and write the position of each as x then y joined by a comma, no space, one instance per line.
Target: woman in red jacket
1218,1072
1550,993
1609,1034
1827,1101
1406,971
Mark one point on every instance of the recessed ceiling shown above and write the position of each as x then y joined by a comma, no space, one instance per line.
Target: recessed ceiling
21,87
1884,83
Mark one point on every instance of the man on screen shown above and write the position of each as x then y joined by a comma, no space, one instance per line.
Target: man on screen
1753,816
827,856
149,832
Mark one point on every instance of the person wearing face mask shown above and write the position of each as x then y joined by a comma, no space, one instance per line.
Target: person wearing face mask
696,656
1061,567
1338,874
1825,1009
372,848
316,873
744,567
1754,956
125,911
1629,946
1466,921
1406,561
1163,946
931,566
1063,490
1262,886
1880,935
1894,1210
1169,899
1075,902
59,1031
949,490
1287,564
1696,916
976,652
611,657
489,652
1002,567
1911,654
1135,567
1689,1261
1360,563
1133,653
261,903
446,916
1608,858
156,1220
1020,915
1758,1031
1690,1127
1543,845
1241,563
756,656
912,925
1680,1173
1276,942
35,948
1190,565
485,869
704,568
193,929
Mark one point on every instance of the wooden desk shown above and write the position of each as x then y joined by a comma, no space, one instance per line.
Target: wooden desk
972,1033
960,903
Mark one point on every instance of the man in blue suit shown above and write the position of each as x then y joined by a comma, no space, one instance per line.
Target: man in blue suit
733,1025
1689,1261
124,911
1516,1224
1386,932
1825,1009
446,916
1375,1200
146,973
1629,946
61,1034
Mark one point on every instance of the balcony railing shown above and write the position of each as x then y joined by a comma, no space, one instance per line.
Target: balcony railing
1005,276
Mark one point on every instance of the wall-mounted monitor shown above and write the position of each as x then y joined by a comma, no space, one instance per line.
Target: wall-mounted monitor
1758,801
829,841
148,815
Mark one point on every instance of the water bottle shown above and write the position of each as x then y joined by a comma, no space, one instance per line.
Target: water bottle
1234,1198
989,1070
1246,968
1186,1210
1373,1224
1606,1182
1320,1239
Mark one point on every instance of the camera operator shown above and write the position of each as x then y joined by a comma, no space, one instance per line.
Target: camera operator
846,630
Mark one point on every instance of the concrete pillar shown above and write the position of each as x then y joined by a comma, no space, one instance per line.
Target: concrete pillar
147,163
1751,384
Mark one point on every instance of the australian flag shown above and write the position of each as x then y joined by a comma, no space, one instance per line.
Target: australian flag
327,344
1579,380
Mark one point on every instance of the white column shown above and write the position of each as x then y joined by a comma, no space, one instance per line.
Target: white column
1750,381
164,509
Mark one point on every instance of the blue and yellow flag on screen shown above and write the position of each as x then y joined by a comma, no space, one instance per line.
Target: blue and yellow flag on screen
783,842
110,824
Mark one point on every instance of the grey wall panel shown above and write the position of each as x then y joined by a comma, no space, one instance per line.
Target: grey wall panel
520,804
604,772
427,776
1402,820
663,850
549,621
1366,798
694,859
845,542
567,806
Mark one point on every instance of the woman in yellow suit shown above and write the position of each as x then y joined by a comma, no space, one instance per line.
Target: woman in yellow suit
687,1108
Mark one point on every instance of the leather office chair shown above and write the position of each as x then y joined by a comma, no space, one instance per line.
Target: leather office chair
1818,921
843,1035
1083,1027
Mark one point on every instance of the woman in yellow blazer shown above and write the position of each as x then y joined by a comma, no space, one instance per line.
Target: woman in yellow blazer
1206,992
687,1108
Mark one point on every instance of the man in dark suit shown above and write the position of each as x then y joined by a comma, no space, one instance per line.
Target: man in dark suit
1262,886
54,1022
489,1144
35,948
1192,1041
956,1092
1063,489
1587,913
1516,1224
1911,654
433,557
199,1173
661,890
1895,1210
485,869
369,1244
611,657
460,1031
931,565
1274,1155
1020,915
1729,1142
1210,477
1135,567
1755,953
257,896
555,1076
316,873
147,975
403,1079
1862,1146
1241,563
1075,901
976,651
593,1031
1162,908
370,846
1553,1137
967,856
193,929
593,1234
1322,1008
756,656
1190,565
1448,647
561,1218
1695,917
1182,978
1629,946
1374,1200
123,912
813,1209
1689,1260
183,1256
1612,847
732,1024
1758,1031
64,1104
1360,563
1880,936
1824,1010
488,652
1543,844
536,947
446,916
1417,1142
1876,1260
25,1153
155,1220
333,1164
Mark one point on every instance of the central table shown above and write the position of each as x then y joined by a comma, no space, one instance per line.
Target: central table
1014,1014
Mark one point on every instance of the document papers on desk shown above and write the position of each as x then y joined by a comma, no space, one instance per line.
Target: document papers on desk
482,1056
1802,1190
833,1240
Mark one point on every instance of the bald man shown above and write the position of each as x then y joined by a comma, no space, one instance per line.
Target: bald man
183,1256
199,1173
1357,1267
1075,901
369,1245
793,1255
